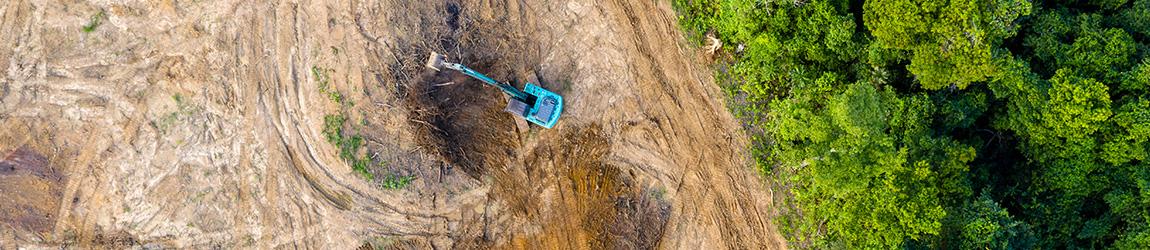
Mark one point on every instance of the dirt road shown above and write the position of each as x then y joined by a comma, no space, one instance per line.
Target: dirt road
201,124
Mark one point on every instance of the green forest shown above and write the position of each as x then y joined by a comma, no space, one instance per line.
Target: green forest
961,124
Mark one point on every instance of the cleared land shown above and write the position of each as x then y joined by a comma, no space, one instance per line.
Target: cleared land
202,123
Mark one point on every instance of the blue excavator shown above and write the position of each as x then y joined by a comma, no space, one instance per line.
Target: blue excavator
534,103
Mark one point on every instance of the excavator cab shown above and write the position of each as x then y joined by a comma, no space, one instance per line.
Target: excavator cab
541,106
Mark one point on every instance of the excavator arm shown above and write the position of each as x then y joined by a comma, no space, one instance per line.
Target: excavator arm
507,88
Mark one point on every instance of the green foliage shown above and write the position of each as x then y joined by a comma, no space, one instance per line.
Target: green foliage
1133,206
960,111
1137,80
866,165
1096,52
184,110
877,119
1107,4
94,22
1133,19
987,225
392,181
325,88
820,36
952,42
702,14
818,52
1062,118
1080,128
349,144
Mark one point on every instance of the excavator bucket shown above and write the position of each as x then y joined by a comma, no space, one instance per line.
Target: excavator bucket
435,61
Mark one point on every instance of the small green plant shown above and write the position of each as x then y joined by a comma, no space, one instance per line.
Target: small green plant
382,242
659,193
183,111
349,144
333,128
94,22
179,99
325,86
320,76
393,181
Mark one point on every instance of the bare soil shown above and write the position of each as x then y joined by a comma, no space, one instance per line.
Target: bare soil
200,124
31,192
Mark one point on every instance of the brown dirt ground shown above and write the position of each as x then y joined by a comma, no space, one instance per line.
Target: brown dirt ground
198,124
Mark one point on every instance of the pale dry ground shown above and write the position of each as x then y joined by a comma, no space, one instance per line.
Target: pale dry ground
198,124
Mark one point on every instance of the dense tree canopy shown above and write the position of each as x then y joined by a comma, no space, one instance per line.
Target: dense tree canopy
951,42
947,124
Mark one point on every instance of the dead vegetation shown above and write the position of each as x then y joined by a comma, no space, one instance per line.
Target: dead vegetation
457,117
